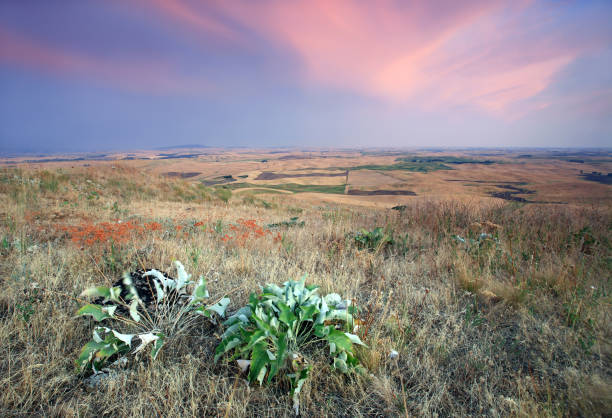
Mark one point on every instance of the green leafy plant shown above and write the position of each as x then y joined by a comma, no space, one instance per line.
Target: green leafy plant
271,333
374,240
177,304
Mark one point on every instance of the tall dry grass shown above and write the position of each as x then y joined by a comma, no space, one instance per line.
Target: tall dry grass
515,323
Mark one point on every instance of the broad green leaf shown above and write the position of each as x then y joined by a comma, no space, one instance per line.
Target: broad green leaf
111,347
255,338
262,324
322,331
281,355
273,289
95,292
241,315
158,345
307,313
286,315
340,365
200,292
93,310
259,360
225,346
231,330
343,343
87,353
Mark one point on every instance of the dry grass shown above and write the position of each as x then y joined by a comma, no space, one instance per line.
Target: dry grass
518,324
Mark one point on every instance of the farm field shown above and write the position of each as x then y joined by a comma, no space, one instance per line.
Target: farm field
480,278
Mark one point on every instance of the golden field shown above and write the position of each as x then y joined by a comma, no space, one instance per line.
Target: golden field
495,307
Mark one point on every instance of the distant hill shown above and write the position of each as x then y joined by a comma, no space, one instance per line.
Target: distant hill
181,146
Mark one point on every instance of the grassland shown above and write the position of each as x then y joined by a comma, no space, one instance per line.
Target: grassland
495,308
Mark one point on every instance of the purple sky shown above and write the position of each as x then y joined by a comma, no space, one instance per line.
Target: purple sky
85,75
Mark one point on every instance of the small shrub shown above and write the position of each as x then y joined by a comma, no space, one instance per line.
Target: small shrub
287,224
271,333
375,240
129,315
223,193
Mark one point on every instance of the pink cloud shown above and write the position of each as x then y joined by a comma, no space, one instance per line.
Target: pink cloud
484,54
132,75
186,13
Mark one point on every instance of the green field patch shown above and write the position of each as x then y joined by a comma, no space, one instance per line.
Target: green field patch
421,167
445,160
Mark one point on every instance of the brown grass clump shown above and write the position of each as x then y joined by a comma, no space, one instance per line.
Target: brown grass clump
514,322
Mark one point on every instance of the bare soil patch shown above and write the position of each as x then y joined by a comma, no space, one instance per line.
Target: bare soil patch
381,192
182,175
268,175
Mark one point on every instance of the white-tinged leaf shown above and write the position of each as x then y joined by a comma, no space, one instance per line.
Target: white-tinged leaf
323,310
231,330
243,364
271,355
332,348
354,338
98,291
200,292
127,281
126,338
182,276
160,292
115,293
274,323
110,310
134,311
96,335
274,289
233,343
332,299
145,339
166,282
262,374
220,307
241,314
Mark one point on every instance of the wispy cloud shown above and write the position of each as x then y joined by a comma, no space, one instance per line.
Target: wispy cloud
484,54
137,75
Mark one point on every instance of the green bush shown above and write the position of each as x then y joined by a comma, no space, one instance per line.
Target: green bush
375,240
271,333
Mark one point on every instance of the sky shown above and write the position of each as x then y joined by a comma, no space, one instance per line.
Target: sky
93,75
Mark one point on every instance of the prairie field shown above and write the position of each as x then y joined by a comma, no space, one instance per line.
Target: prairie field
481,281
